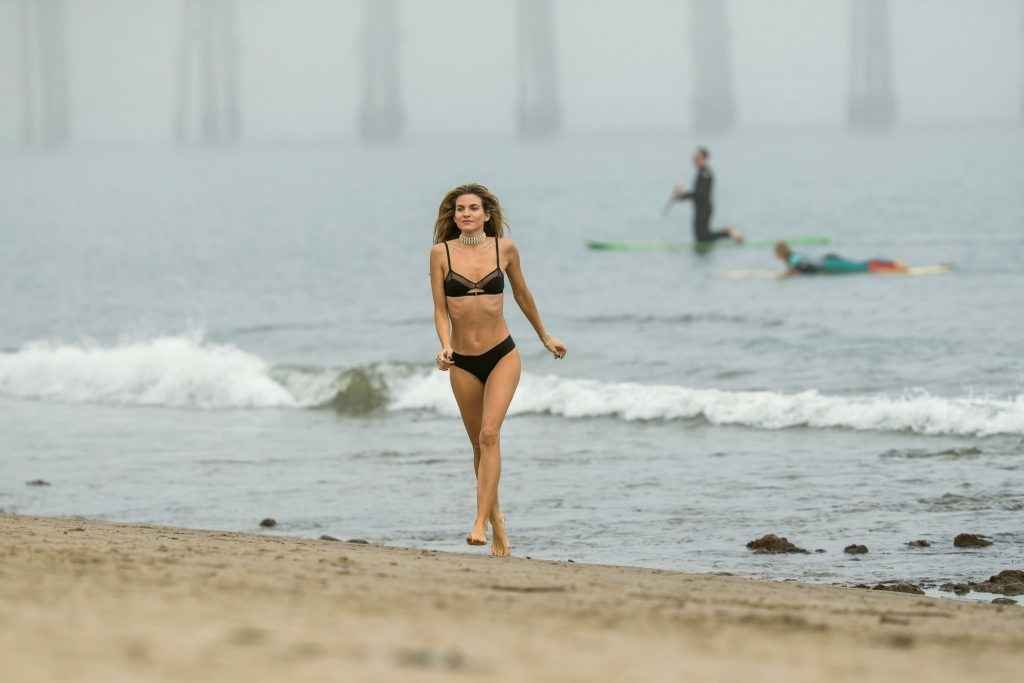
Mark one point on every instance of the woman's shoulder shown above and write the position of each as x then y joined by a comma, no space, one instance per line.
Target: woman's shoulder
437,255
507,245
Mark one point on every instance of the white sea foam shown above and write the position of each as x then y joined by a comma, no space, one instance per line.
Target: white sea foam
186,371
167,371
579,398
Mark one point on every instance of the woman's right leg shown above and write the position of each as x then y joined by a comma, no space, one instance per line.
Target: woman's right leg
469,395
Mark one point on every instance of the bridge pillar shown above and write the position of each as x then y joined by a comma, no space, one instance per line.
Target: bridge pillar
209,111
714,100
381,115
540,110
45,98
872,103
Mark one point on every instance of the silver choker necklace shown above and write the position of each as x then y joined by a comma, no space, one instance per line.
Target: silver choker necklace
472,241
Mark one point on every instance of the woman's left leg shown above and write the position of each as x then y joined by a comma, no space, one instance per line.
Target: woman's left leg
498,392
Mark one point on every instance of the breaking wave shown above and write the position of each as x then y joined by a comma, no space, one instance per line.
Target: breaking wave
188,372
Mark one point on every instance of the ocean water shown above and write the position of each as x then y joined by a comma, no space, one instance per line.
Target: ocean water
208,338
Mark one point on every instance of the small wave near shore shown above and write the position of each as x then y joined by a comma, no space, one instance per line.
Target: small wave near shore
190,372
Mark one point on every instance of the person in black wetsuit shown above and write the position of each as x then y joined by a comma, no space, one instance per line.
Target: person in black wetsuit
700,195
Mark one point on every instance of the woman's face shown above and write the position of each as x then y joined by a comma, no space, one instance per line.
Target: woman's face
469,213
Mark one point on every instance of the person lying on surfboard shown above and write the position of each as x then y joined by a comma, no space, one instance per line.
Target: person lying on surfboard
700,195
799,264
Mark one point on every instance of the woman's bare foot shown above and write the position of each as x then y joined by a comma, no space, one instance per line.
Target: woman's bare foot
500,546
477,536
736,235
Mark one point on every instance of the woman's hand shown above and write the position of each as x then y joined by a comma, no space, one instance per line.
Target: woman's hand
444,359
554,345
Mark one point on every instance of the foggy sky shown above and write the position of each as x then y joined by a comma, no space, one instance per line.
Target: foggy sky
622,65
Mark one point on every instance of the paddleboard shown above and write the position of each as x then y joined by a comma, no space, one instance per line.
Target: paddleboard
642,245
937,269
772,273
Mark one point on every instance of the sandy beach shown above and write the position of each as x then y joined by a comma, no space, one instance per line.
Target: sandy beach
95,601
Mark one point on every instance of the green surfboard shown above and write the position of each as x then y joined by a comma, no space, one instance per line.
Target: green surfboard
643,245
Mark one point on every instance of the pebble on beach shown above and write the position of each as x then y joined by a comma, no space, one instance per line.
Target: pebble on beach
37,482
1008,582
971,541
899,588
771,543
855,549
268,522
327,537
360,541
919,543
450,660
1004,601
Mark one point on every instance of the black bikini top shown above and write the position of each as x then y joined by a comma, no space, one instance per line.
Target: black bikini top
457,285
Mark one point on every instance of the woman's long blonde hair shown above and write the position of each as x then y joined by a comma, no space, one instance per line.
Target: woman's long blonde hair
445,227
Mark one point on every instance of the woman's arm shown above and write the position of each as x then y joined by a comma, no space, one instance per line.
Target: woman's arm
680,193
524,298
441,321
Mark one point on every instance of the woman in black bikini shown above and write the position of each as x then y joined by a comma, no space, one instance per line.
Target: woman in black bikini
466,278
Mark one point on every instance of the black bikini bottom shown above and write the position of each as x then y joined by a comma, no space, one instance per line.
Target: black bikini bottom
482,365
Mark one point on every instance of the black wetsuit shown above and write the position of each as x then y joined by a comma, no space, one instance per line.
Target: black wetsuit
702,207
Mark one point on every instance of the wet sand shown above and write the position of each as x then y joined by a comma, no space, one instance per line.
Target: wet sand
94,601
